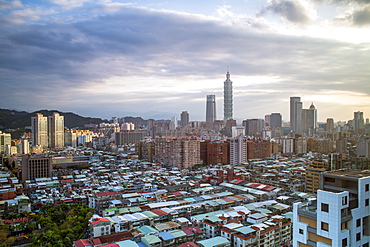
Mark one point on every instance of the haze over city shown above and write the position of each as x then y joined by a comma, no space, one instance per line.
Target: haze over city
117,58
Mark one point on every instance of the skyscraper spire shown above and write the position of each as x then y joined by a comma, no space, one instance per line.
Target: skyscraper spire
228,97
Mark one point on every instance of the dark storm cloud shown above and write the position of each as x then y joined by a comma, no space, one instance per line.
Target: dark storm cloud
291,10
362,17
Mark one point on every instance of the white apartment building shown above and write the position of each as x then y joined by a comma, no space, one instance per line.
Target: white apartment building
341,214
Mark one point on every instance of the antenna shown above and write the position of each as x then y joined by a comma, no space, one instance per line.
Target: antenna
227,68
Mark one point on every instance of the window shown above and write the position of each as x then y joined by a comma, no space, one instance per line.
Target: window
367,202
344,242
344,200
358,222
344,225
366,187
358,236
365,245
324,226
325,207
300,231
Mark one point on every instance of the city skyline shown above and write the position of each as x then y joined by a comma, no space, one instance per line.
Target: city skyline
119,58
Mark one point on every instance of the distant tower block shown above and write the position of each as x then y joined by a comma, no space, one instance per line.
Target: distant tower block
228,98
211,109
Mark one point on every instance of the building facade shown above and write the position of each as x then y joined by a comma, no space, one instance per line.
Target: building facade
39,125
296,114
340,216
5,140
56,130
211,109
214,152
238,150
309,119
275,121
36,167
180,152
184,119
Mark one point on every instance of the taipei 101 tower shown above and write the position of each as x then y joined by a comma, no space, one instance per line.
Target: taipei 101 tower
228,97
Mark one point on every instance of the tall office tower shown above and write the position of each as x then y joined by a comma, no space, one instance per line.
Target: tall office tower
56,131
296,114
329,124
5,139
340,214
238,150
211,109
358,120
228,98
39,125
184,119
275,121
309,120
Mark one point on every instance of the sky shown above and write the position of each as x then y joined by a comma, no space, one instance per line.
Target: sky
107,58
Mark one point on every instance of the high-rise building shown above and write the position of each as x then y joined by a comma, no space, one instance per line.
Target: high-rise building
151,127
238,150
296,114
228,98
5,139
340,216
173,124
253,127
211,109
258,149
309,120
184,119
329,124
70,138
267,121
214,152
39,125
56,130
25,147
275,121
363,147
229,127
358,120
181,152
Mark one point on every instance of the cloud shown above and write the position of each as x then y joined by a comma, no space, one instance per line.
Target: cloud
362,17
69,4
344,1
136,59
299,12
6,5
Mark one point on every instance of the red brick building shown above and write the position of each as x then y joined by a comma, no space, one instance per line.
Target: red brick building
215,152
